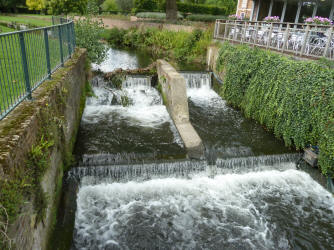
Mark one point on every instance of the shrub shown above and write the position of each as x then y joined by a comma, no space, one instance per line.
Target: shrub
204,18
294,99
88,32
145,5
124,5
154,15
109,5
202,9
178,46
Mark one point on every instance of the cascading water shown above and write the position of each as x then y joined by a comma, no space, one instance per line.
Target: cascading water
132,193
130,120
189,208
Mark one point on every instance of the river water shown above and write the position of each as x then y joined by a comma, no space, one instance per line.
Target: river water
133,188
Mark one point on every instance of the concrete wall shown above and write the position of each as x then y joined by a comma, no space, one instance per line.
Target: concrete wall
175,97
53,115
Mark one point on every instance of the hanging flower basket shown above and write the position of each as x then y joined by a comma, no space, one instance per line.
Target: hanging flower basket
272,19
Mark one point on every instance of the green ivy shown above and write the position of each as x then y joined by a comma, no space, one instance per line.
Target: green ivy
292,98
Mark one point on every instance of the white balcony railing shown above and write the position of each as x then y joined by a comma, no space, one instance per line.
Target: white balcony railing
303,40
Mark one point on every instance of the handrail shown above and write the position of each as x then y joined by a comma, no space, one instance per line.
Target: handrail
29,57
303,40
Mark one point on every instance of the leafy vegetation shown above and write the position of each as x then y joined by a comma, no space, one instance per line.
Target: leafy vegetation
57,7
5,29
175,46
294,99
88,32
204,17
155,15
202,9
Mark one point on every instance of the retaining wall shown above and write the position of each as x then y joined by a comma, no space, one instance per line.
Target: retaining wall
52,117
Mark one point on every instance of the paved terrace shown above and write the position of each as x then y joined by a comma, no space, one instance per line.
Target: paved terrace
304,40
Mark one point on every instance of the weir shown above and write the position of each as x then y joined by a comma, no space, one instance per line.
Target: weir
135,189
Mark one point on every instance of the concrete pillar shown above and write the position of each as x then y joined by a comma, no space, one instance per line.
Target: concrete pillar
298,11
284,10
270,7
258,10
174,93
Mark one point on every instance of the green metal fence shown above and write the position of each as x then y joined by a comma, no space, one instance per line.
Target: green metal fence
28,58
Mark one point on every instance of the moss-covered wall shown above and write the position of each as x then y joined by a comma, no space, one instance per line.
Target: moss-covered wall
36,142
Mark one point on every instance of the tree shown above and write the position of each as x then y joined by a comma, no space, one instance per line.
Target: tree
57,7
11,5
35,4
171,10
125,5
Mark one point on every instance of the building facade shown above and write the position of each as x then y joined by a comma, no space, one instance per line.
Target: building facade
293,11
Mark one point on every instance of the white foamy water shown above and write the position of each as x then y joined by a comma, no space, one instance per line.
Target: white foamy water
145,107
200,92
257,210
116,59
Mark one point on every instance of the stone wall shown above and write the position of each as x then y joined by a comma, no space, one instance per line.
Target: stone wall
52,117
175,97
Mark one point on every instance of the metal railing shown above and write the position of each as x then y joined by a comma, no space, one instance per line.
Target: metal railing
304,40
28,58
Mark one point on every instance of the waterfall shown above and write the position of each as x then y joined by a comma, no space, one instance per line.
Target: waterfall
197,80
117,167
137,81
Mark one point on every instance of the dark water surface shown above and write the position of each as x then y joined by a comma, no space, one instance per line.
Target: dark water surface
130,190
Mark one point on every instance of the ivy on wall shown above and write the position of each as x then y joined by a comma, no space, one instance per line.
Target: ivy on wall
294,99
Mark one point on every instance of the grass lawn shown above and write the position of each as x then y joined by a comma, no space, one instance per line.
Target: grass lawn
36,20
12,81
5,29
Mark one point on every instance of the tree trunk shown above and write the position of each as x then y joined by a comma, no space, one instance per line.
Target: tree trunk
171,10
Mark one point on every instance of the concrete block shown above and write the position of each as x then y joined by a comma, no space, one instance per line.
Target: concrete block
175,97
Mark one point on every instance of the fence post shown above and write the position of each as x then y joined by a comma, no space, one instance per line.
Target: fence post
47,52
69,40
73,35
61,46
305,40
286,38
269,35
25,65
329,40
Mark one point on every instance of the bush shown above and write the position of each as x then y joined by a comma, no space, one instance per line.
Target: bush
124,5
178,46
204,18
88,32
109,5
146,5
155,15
202,9
294,99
